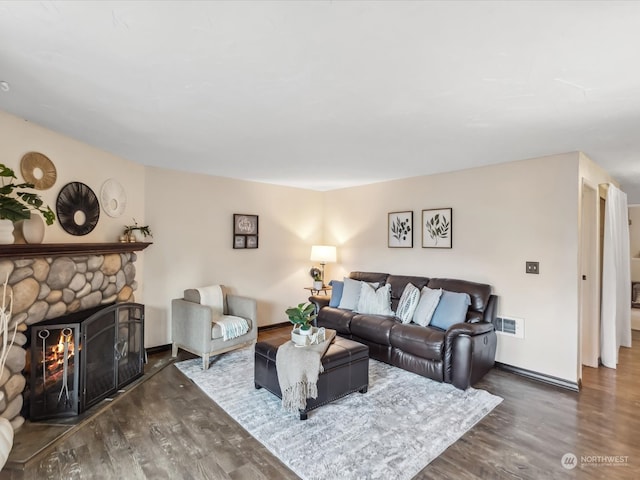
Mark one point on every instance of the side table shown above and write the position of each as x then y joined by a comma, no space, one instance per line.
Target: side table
316,291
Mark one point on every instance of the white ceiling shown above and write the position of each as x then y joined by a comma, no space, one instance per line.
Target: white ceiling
329,94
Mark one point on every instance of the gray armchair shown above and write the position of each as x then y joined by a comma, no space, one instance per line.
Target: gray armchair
194,329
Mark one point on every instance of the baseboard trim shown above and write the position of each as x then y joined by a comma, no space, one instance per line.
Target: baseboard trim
158,348
274,325
540,377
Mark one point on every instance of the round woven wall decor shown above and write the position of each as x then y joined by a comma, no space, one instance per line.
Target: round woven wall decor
113,198
36,168
77,208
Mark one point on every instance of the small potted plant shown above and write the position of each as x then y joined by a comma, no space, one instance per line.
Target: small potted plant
130,229
316,274
301,317
18,205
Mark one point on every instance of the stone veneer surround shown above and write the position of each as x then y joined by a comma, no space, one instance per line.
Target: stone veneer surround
47,287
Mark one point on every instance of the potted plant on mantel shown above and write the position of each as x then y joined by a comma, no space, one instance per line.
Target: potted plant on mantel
301,317
17,205
129,230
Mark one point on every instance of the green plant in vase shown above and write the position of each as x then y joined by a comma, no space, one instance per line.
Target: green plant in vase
17,205
302,316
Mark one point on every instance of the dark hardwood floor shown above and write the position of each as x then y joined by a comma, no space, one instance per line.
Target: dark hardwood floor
167,428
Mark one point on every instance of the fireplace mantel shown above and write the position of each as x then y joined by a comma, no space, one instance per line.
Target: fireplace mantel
68,249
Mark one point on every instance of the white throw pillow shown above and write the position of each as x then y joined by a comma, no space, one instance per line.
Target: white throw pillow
374,302
429,299
351,293
408,303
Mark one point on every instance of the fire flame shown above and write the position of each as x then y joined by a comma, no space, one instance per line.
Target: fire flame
56,358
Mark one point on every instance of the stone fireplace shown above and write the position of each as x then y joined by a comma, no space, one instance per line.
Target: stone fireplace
50,281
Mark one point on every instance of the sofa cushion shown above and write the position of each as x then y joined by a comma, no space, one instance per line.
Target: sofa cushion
398,284
408,303
351,293
417,340
193,295
216,329
336,319
451,309
478,292
372,301
371,277
336,292
427,304
375,328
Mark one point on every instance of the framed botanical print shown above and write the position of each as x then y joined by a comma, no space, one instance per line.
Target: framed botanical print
245,231
437,228
400,229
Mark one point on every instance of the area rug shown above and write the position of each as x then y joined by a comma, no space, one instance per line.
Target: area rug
394,430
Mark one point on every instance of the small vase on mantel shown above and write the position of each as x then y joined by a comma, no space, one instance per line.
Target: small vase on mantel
6,232
33,229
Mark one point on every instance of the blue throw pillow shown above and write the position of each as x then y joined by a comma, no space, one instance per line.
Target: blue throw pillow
336,292
451,309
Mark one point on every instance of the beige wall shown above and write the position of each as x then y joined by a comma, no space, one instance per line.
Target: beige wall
74,162
191,216
503,215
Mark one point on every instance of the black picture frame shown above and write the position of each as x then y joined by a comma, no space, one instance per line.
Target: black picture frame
437,228
239,241
245,231
251,241
400,229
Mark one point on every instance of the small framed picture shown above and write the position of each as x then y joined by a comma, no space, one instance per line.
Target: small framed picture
239,241
400,229
245,230
245,224
437,228
252,241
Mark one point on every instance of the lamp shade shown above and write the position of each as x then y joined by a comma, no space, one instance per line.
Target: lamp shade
323,253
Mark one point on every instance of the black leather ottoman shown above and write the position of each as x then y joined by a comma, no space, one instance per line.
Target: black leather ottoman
346,370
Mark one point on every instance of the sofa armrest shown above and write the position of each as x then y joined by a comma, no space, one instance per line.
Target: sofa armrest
191,324
319,301
470,329
244,307
462,343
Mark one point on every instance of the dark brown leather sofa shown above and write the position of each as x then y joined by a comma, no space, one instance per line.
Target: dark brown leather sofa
461,355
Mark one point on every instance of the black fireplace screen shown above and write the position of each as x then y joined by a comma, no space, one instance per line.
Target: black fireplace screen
82,358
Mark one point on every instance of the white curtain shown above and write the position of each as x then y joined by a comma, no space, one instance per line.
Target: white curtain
615,321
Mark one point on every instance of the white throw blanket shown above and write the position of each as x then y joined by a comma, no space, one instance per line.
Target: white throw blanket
231,326
298,370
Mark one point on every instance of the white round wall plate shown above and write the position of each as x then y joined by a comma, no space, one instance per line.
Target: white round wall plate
113,198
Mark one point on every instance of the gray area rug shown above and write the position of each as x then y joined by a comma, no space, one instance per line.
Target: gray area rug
394,430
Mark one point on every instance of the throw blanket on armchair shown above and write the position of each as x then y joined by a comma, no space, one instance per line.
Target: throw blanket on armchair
298,370
231,326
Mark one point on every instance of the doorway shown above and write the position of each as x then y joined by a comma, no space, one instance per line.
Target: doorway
589,279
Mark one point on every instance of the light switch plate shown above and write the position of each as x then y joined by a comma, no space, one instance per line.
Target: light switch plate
533,267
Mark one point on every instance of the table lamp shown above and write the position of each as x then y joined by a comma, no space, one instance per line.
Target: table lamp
323,254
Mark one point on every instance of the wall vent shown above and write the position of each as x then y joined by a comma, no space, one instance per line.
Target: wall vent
513,327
